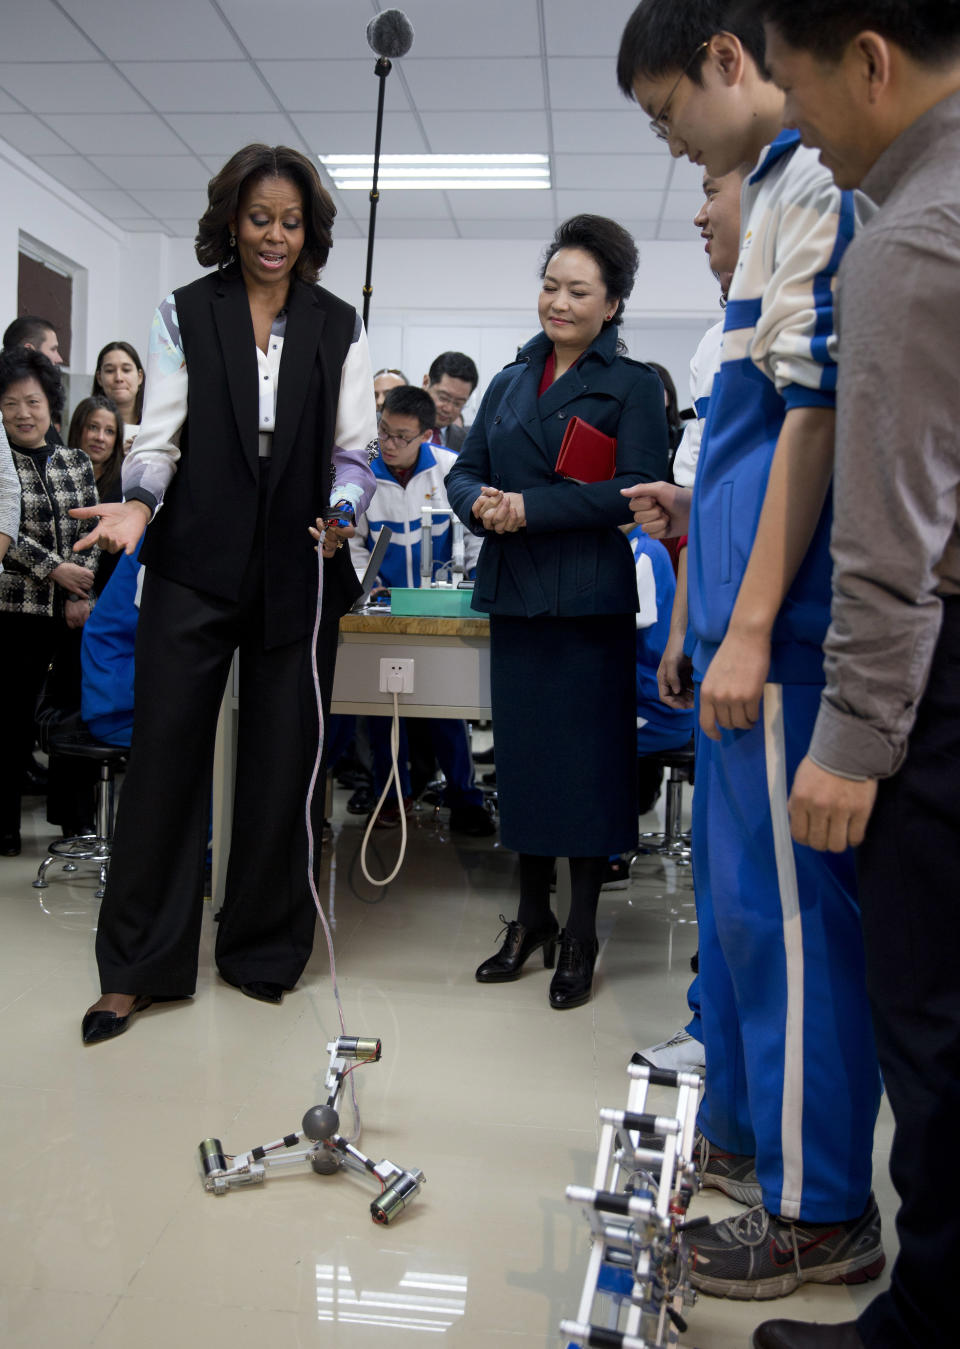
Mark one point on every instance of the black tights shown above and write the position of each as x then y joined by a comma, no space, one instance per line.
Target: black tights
586,877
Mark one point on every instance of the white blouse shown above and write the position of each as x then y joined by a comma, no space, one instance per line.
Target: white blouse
152,460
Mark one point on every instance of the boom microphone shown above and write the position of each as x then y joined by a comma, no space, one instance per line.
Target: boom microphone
390,33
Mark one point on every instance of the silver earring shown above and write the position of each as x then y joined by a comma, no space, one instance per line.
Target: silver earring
233,241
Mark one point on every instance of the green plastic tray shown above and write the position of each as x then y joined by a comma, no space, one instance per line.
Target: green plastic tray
440,603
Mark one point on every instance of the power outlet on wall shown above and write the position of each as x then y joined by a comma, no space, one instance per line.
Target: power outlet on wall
396,675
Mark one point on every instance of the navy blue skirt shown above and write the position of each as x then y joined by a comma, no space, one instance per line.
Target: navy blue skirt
563,692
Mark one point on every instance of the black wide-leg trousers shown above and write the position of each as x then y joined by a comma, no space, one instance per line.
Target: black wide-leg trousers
909,873
149,931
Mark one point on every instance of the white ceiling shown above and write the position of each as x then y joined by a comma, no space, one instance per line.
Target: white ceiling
133,104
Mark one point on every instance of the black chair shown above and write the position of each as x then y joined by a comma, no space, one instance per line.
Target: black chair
673,841
87,847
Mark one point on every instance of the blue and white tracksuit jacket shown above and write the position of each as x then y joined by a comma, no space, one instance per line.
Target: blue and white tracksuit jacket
703,368
659,727
791,1067
399,507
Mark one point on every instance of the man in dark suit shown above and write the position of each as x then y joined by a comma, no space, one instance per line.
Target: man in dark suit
450,382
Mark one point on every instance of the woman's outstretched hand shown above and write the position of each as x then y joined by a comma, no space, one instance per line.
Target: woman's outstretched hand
121,525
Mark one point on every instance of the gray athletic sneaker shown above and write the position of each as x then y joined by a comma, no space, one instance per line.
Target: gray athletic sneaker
680,1054
756,1255
730,1172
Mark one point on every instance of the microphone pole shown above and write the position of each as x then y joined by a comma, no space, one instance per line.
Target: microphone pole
381,70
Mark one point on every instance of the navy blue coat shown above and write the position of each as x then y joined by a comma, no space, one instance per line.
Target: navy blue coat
571,559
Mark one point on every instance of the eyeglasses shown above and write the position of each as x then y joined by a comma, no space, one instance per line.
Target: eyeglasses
448,400
402,441
657,125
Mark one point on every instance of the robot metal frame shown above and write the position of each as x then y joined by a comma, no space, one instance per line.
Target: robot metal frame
327,1151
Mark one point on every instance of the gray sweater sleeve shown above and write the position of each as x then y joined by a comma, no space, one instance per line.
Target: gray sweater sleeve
895,541
9,491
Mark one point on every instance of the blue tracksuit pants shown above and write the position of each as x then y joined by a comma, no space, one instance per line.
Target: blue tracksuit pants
791,1069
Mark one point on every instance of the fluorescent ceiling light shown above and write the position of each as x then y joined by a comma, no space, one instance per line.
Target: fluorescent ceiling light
439,172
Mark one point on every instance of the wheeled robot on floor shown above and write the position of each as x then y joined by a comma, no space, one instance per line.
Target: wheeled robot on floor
327,1151
637,1280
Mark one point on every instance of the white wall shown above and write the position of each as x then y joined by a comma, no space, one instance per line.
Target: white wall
477,296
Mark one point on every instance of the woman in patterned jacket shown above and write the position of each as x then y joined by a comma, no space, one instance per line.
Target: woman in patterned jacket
46,588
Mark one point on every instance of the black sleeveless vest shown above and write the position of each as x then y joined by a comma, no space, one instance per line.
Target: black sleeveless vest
203,535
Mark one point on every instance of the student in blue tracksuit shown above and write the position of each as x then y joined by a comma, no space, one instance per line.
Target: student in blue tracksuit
659,727
409,474
109,638
792,1086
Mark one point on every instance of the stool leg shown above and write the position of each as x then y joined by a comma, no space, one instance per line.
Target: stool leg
41,882
104,799
671,827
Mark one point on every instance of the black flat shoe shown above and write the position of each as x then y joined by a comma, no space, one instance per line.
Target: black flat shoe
519,943
9,845
106,1025
263,991
573,980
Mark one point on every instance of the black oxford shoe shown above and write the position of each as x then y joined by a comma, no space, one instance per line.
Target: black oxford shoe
806,1335
519,943
571,985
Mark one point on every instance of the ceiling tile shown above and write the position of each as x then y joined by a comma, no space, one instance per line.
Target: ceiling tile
140,133
406,205
110,202
29,135
493,133
647,172
510,229
686,175
604,132
676,229
466,84
302,28
200,86
70,87
439,228
584,82
495,205
153,171
618,205
143,227
184,229
172,204
344,133
126,31
223,133
570,33
682,206
8,104
73,171
39,31
333,86
491,28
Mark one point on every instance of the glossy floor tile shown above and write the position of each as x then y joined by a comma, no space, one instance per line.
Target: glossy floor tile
107,1237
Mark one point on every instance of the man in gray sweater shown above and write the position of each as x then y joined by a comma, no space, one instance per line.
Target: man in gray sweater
875,85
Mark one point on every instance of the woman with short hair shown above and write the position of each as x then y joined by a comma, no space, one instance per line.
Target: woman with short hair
46,590
557,577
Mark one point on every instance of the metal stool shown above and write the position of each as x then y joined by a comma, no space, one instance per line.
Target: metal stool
87,847
673,842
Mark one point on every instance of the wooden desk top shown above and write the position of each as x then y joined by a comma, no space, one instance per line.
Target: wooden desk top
419,625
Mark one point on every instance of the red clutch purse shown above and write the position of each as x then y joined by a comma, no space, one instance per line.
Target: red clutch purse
586,454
